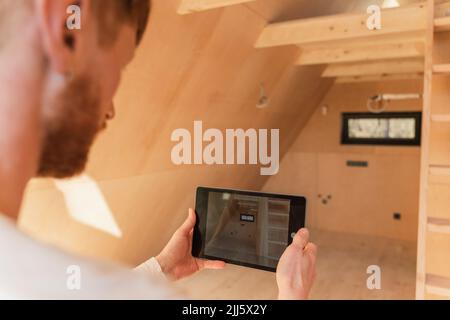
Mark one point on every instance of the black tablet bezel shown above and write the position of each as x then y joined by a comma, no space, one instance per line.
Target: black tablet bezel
296,221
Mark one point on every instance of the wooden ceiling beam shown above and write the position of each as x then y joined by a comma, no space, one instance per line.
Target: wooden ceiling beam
401,66
344,26
191,6
380,78
412,36
442,24
329,55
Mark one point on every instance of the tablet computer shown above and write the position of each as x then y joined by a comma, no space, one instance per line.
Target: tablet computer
244,227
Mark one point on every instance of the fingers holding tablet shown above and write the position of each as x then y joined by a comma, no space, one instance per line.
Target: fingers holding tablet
301,238
188,225
296,269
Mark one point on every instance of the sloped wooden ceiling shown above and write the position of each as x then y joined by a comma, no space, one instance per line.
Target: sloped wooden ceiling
199,66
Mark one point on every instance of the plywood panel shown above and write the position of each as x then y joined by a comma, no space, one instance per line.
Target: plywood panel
438,200
440,143
441,48
363,200
438,285
298,172
441,98
203,69
438,254
439,175
431,296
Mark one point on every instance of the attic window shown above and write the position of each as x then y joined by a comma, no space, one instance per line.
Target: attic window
387,128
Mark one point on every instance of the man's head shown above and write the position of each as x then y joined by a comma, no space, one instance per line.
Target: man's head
81,71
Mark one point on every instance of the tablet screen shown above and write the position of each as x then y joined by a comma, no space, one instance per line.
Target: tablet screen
246,228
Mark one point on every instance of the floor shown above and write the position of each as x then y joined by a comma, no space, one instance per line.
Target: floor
341,266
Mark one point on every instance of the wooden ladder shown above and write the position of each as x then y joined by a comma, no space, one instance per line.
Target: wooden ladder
433,255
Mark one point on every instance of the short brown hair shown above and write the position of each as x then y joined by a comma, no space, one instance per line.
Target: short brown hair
112,13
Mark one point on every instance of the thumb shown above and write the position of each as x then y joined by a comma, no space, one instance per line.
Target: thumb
189,223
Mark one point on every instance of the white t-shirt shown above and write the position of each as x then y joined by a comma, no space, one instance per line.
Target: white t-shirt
31,270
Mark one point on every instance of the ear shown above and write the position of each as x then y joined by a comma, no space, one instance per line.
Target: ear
60,40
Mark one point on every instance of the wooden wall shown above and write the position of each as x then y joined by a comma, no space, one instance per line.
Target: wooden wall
363,200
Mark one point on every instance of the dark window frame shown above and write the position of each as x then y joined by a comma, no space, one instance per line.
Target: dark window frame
346,140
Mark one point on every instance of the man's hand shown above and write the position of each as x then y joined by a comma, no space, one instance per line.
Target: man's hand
176,260
296,269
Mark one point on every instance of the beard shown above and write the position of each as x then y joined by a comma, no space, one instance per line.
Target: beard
71,125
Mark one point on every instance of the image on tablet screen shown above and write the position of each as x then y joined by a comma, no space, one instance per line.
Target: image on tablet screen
246,228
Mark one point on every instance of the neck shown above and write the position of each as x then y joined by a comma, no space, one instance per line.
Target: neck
21,78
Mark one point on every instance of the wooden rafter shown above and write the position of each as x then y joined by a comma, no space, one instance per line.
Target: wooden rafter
386,67
344,26
380,77
190,6
441,69
442,24
337,54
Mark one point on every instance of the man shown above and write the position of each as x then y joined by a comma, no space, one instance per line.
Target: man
57,87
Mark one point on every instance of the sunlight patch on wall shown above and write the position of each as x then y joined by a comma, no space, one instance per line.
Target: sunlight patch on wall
86,204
